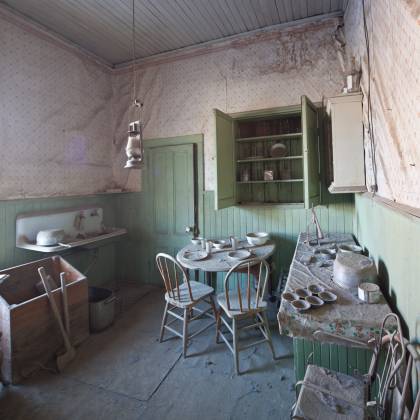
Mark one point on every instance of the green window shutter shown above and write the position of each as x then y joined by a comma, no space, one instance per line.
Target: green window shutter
310,153
225,161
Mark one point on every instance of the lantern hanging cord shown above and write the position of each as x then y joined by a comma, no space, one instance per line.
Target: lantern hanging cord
134,56
136,102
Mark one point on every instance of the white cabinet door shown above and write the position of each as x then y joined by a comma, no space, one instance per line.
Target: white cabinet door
347,144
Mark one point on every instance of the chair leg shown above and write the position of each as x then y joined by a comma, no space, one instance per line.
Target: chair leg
218,325
213,306
268,332
235,345
216,317
185,332
164,318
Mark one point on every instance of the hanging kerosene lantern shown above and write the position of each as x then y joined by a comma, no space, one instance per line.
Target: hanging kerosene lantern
134,149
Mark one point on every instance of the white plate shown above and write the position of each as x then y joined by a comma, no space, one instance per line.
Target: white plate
195,255
278,150
239,255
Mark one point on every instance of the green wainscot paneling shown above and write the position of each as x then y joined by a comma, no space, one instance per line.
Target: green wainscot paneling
283,223
348,360
102,271
392,239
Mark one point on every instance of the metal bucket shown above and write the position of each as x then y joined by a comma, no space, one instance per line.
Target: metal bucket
101,308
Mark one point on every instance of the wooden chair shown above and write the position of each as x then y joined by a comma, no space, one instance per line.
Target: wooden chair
182,297
409,406
244,304
328,394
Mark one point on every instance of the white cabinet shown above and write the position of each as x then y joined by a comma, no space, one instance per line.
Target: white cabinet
345,112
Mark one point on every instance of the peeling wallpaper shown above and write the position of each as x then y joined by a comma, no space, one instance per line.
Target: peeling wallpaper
55,119
63,119
179,96
394,33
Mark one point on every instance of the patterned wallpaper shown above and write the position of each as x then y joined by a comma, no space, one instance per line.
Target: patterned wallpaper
394,33
63,119
55,119
179,96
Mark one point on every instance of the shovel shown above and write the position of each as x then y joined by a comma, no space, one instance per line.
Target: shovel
65,303
63,359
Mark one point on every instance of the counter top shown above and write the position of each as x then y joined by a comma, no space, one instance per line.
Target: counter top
348,316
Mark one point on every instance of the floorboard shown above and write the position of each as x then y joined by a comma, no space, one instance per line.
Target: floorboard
125,373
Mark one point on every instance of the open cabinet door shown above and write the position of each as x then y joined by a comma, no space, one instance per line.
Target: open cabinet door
310,153
225,161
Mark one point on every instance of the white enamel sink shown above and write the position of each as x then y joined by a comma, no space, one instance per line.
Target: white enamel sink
89,232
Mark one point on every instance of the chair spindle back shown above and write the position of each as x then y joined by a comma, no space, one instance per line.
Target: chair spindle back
248,299
391,350
173,275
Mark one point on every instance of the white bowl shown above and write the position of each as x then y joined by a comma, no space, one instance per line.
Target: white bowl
257,238
302,293
49,237
289,296
196,241
314,301
327,296
315,289
219,244
301,305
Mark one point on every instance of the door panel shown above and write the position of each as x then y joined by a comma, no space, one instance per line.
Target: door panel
171,195
225,161
310,153
162,192
183,181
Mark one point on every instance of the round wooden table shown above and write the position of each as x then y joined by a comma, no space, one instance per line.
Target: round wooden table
218,260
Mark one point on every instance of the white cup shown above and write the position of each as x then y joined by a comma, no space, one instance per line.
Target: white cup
209,245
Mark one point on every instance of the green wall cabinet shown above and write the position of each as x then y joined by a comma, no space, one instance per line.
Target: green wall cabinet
268,157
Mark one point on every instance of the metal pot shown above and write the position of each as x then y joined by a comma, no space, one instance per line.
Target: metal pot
101,308
351,269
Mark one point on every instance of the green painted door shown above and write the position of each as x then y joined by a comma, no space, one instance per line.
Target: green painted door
310,153
225,161
171,194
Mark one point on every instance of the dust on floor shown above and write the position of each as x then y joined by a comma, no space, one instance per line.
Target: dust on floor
125,373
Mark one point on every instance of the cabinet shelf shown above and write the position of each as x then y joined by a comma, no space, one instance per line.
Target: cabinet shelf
297,205
272,159
270,182
245,166
273,137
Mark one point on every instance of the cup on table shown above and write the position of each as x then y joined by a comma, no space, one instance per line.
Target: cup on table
209,245
203,244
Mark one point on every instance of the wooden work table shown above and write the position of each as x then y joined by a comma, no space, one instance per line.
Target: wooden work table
348,316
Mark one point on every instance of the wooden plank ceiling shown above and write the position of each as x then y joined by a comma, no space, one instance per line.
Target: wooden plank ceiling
103,27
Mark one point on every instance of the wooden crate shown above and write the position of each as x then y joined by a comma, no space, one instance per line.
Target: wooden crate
30,335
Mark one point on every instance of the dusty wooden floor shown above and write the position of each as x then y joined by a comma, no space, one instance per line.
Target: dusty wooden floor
125,373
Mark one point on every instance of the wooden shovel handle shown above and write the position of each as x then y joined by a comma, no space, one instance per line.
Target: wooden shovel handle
44,278
65,302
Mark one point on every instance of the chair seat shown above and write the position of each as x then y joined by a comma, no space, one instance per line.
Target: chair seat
235,309
199,291
345,400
